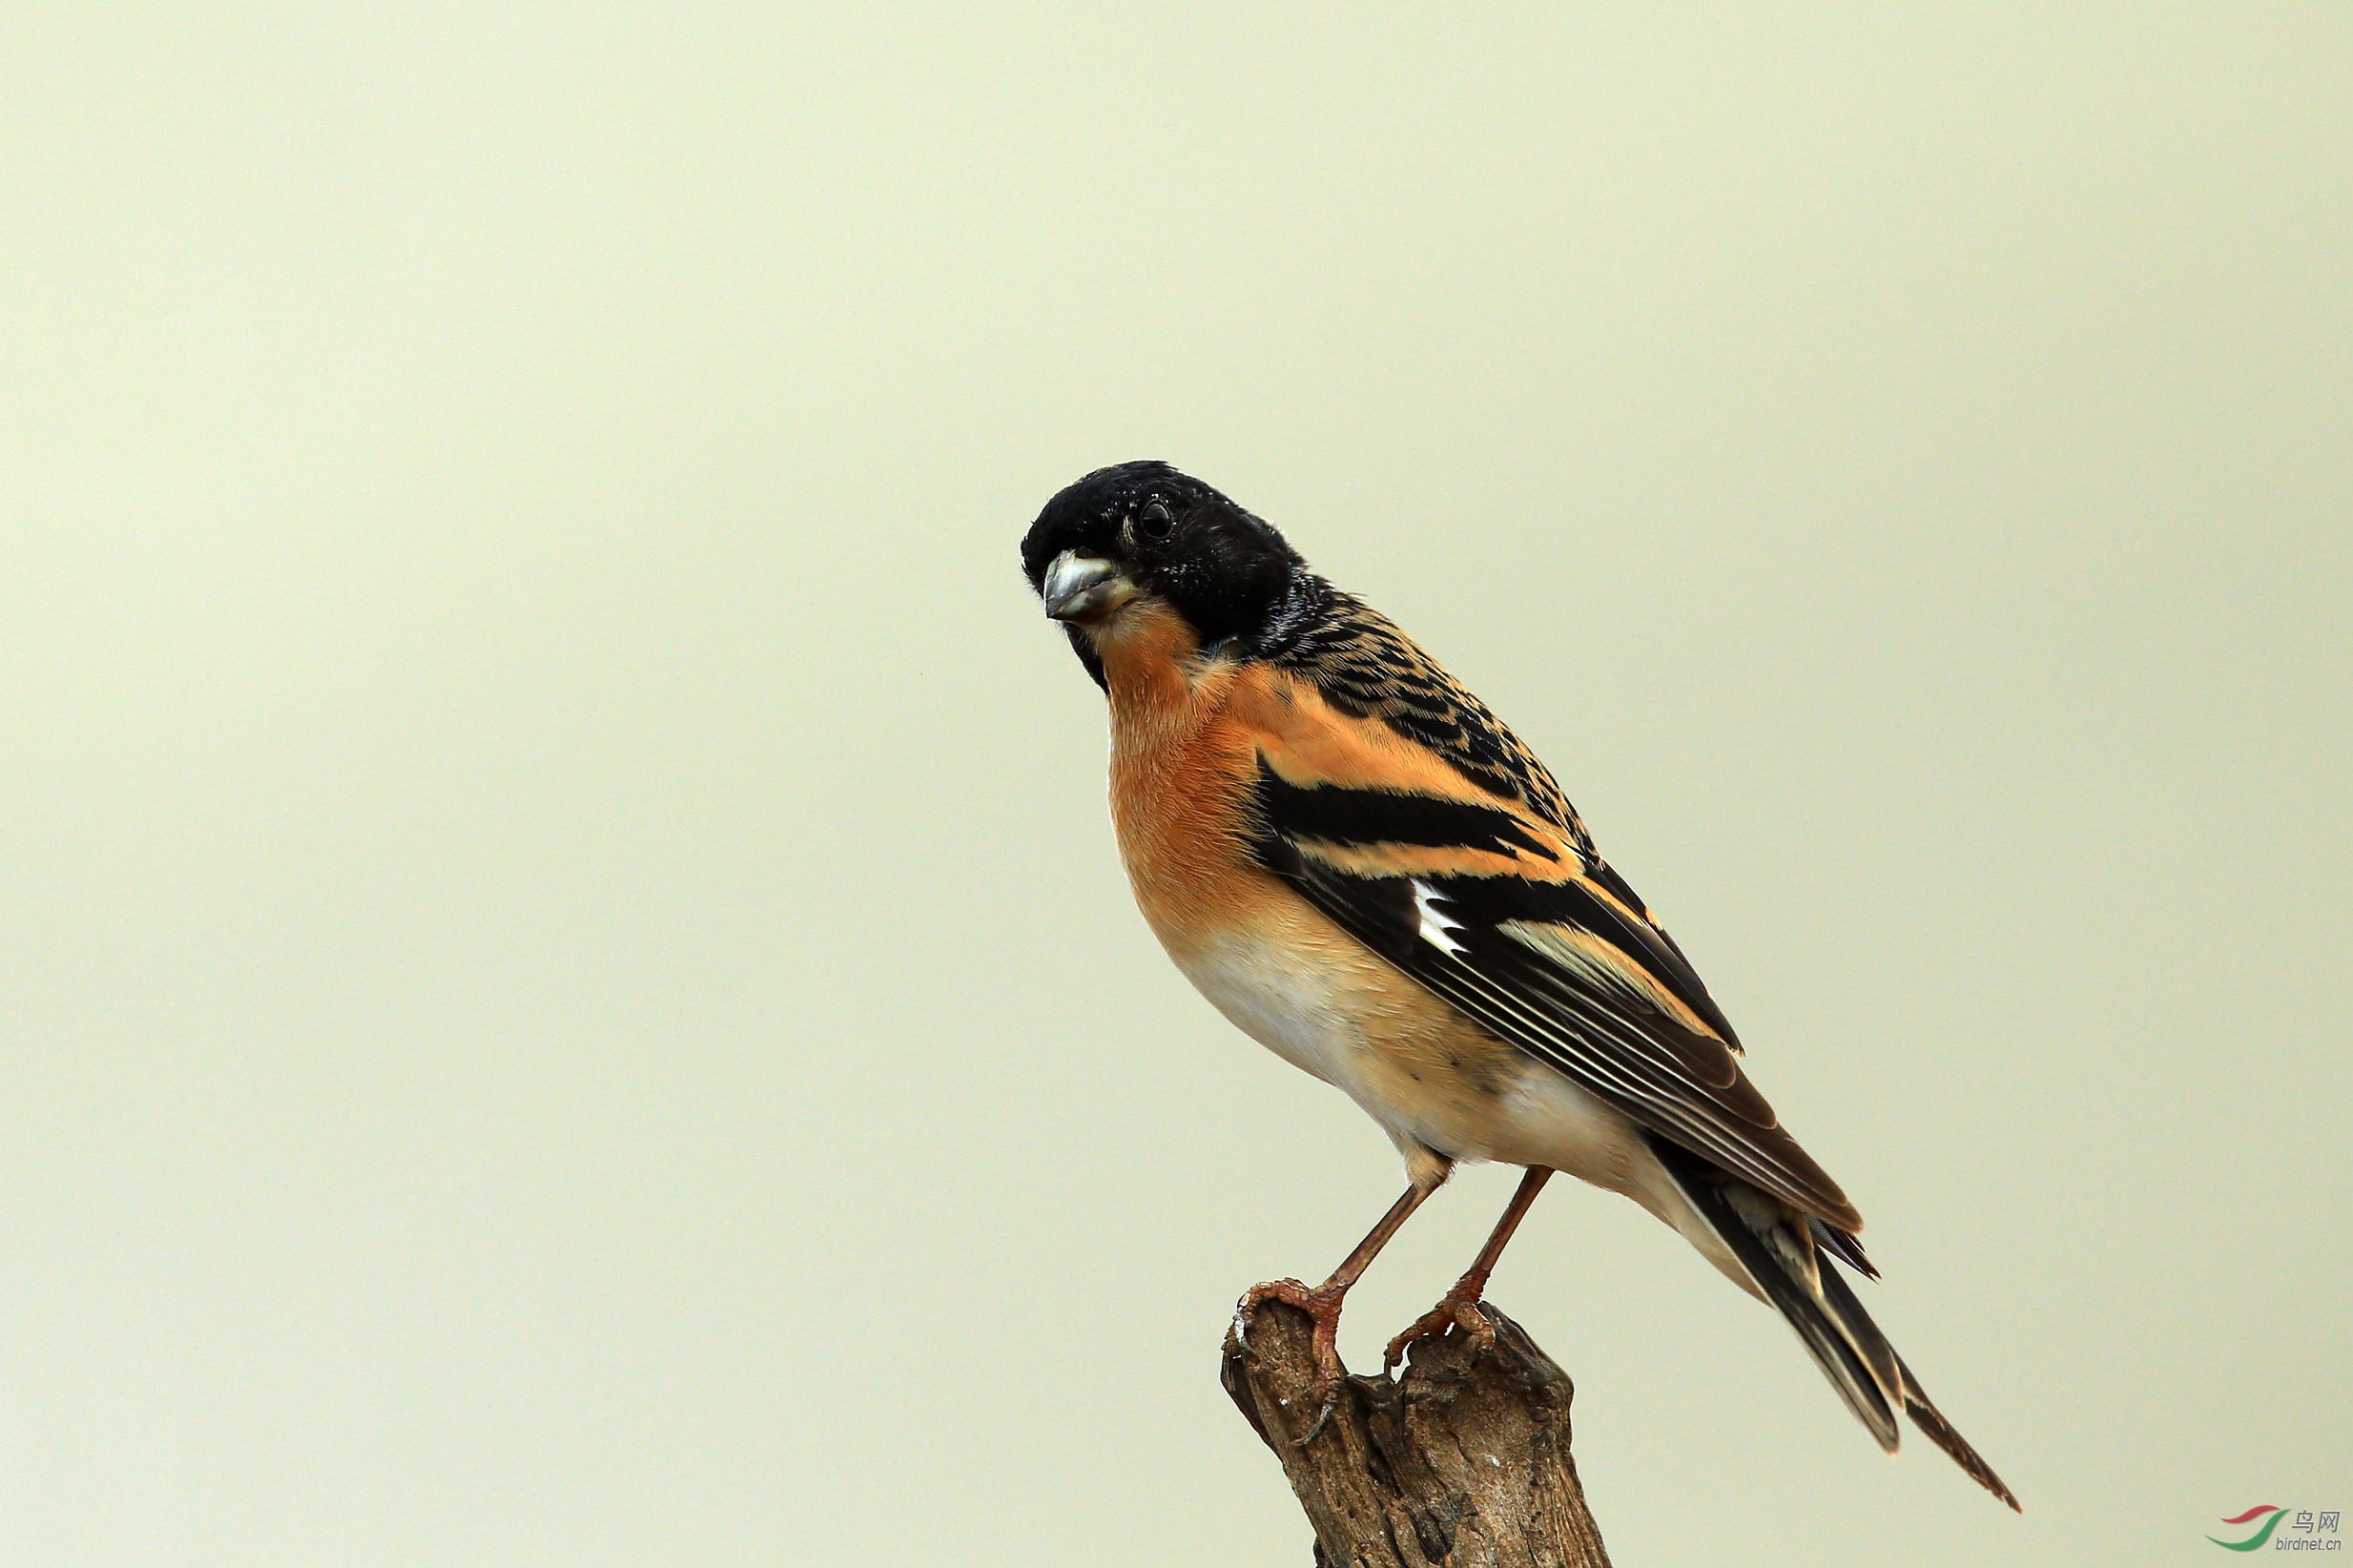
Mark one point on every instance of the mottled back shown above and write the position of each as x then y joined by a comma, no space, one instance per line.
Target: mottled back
1368,668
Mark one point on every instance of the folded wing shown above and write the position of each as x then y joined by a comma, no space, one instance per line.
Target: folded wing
1512,918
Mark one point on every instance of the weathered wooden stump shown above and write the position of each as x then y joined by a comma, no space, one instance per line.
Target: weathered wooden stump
1462,1462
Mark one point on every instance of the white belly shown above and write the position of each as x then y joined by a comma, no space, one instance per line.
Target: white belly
1304,1014
1293,1011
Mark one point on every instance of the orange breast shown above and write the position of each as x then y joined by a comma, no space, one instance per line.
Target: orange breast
1183,769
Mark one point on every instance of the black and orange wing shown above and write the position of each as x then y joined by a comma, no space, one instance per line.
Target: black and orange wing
1472,876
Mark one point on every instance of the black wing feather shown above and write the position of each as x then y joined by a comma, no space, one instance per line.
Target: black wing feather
1488,945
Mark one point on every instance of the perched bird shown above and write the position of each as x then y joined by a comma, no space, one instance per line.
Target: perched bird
1358,865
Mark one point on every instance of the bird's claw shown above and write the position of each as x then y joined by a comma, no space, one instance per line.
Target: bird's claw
1330,1401
1457,1309
1322,1306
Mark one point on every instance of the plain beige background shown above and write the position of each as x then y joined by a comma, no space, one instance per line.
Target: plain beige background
568,996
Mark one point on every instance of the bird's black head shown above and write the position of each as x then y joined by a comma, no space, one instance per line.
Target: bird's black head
1143,531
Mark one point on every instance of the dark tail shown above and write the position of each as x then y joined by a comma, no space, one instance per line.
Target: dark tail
1788,1260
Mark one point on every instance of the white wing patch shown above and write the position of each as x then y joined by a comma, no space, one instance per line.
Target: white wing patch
1436,922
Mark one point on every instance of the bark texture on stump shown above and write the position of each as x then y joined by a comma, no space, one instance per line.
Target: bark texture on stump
1463,1462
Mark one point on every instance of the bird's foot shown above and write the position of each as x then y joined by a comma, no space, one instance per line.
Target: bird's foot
1457,1309
1322,1305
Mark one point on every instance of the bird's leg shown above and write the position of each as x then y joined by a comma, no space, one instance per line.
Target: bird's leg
1459,1306
1322,1305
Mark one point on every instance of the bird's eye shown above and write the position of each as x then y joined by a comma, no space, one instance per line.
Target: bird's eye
1155,521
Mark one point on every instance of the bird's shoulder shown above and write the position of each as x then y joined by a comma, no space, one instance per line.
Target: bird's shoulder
1365,665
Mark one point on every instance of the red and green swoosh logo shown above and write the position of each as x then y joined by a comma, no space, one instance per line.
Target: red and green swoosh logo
2270,1514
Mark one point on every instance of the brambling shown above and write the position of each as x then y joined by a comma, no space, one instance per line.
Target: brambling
1357,864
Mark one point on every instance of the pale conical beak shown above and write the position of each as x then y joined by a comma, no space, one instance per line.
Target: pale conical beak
1080,587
